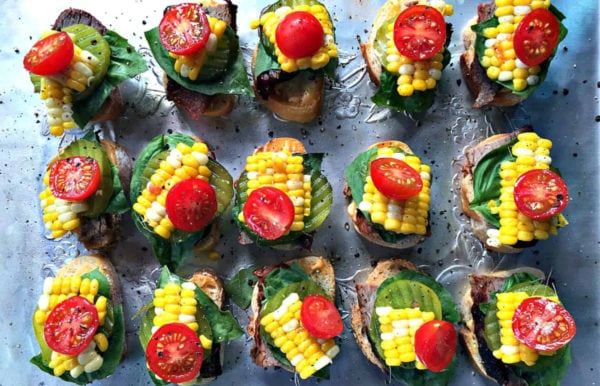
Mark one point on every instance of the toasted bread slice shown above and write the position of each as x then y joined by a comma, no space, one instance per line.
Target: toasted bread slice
473,155
283,143
87,263
298,99
212,285
360,314
485,92
360,223
321,271
479,291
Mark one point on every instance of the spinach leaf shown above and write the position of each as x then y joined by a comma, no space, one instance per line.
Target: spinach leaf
239,289
234,81
125,63
493,22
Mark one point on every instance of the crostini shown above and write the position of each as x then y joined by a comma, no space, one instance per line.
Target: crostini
388,190
179,190
511,192
515,328
84,192
294,319
406,52
282,196
508,49
197,47
183,330
78,321
76,68
295,51
403,323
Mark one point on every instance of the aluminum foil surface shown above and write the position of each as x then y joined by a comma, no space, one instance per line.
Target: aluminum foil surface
565,109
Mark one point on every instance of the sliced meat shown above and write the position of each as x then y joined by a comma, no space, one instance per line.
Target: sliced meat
72,16
485,11
192,102
224,10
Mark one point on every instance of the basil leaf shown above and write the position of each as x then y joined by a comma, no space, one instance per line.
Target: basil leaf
234,81
239,289
280,278
125,63
486,181
387,96
493,22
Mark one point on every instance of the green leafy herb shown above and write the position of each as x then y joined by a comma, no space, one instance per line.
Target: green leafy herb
234,81
280,278
239,288
493,22
125,63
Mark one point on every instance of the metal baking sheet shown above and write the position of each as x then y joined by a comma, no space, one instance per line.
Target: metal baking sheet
565,109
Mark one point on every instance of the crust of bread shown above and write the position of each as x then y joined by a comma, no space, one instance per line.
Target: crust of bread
220,104
382,271
467,328
475,77
87,263
212,285
298,99
385,12
473,155
321,271
111,108
352,209
283,143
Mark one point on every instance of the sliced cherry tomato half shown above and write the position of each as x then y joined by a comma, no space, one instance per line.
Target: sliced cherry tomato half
191,204
184,28
395,178
50,55
320,317
435,344
543,324
71,325
75,178
541,194
420,32
299,34
536,36
269,212
174,353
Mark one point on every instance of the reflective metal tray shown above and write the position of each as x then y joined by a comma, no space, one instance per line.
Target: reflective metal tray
565,109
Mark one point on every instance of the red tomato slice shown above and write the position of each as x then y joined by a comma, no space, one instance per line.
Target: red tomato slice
191,204
75,178
174,353
395,179
542,324
536,36
299,34
71,326
435,344
269,212
184,28
50,55
420,32
320,317
541,194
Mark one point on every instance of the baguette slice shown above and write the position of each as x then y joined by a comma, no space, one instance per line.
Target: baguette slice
320,270
472,327
113,105
104,232
360,314
360,223
485,92
473,155
196,104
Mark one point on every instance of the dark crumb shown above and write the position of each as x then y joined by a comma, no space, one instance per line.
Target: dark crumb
565,91
347,226
17,51
270,134
597,118
565,48
458,82
575,155
143,22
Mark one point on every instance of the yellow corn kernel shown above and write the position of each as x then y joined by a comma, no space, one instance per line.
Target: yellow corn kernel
101,342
